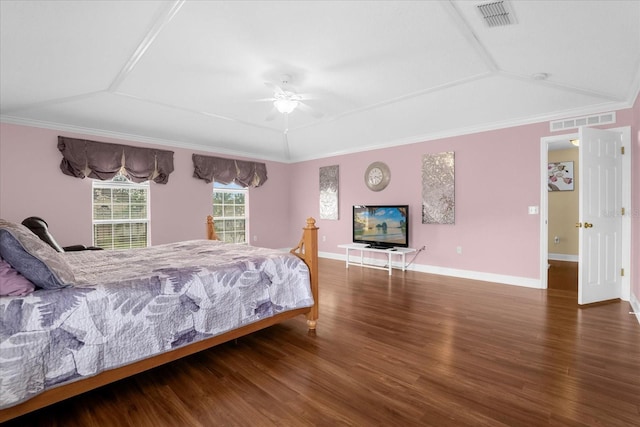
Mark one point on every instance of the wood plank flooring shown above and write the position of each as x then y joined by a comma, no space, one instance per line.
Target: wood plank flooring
412,349
563,275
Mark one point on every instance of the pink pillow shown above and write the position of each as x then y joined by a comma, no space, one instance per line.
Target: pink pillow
13,283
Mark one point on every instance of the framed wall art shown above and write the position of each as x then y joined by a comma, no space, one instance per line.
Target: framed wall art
560,176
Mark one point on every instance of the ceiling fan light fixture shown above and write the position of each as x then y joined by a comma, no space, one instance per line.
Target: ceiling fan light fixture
285,106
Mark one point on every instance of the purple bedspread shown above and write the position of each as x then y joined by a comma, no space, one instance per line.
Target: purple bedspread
132,304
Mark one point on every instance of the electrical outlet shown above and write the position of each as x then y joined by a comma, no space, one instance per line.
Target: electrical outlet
423,248
255,238
459,250
324,238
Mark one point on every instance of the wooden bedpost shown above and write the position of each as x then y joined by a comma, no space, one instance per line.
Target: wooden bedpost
307,249
211,229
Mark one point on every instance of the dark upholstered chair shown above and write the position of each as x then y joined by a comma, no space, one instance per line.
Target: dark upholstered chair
40,228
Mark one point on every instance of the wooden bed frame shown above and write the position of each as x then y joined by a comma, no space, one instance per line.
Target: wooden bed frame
307,250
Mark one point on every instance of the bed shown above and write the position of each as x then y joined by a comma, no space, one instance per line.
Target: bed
131,310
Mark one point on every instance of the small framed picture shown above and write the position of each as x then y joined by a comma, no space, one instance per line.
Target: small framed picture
560,176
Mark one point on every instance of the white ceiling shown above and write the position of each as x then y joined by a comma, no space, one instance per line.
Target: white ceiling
382,73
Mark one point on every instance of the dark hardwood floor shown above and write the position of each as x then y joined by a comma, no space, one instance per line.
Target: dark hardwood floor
409,350
563,276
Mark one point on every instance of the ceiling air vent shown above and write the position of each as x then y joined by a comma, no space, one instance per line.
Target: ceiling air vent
576,122
497,13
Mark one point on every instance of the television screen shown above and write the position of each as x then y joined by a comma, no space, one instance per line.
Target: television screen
381,226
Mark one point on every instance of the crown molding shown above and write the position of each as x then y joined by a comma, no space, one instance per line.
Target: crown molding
414,139
130,137
596,109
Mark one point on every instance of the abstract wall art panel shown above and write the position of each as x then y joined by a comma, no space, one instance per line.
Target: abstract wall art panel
438,188
329,179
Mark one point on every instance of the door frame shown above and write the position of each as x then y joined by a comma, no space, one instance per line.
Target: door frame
625,131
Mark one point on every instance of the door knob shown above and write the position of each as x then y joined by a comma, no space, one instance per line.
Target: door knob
578,224
588,225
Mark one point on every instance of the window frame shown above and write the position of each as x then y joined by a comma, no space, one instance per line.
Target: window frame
218,220
121,182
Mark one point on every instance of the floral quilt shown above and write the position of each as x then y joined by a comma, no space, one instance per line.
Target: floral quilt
129,305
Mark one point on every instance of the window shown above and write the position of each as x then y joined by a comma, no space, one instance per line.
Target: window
120,214
230,212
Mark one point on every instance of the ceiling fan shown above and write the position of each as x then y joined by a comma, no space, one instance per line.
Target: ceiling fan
285,100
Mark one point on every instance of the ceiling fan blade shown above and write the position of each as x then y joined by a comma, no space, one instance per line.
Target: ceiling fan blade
305,108
272,114
276,88
307,96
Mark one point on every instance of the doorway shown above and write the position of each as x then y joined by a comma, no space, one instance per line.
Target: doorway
562,213
624,241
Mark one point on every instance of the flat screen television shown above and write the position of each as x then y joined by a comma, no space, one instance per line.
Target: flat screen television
381,226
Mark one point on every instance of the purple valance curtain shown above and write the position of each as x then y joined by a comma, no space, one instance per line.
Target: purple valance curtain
226,171
103,161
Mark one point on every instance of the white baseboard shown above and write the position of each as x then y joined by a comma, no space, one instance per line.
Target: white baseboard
563,257
331,255
526,282
464,274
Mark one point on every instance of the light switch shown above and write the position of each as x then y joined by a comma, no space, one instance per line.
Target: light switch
534,210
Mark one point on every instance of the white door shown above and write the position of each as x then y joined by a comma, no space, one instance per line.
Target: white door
600,188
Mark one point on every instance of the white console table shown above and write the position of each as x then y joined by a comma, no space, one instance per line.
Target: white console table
399,252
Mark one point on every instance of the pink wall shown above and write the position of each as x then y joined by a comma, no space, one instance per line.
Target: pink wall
497,178
31,183
271,224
